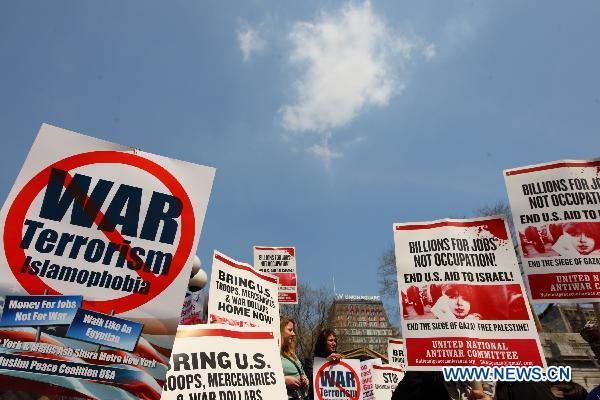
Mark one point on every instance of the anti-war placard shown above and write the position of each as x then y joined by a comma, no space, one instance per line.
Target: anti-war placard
396,353
279,262
336,380
556,211
220,362
97,248
240,295
366,377
385,379
462,296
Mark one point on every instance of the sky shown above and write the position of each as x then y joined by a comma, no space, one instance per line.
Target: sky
327,121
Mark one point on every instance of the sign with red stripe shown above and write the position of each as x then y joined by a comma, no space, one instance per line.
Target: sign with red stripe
240,295
279,262
459,281
224,362
556,211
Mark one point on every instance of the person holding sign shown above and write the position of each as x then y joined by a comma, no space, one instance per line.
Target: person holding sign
296,381
326,346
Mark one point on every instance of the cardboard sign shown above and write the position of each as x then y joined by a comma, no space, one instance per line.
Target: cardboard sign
556,211
218,362
366,373
336,381
193,311
462,297
396,353
280,262
240,295
385,379
115,227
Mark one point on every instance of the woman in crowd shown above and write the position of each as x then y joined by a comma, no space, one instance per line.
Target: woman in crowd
326,346
456,302
296,381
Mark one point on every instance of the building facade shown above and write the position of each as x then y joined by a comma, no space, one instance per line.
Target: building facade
360,322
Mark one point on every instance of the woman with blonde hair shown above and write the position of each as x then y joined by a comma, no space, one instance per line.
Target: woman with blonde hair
296,381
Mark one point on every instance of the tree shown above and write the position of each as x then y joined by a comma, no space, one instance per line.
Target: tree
310,315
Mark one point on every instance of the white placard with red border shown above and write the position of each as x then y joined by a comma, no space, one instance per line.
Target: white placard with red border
224,362
462,296
556,210
114,224
193,310
385,379
280,262
240,295
395,353
336,380
366,380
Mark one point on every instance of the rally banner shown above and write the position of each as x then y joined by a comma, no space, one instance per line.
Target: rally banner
220,362
556,212
239,295
366,377
96,251
336,380
462,296
280,262
395,351
385,379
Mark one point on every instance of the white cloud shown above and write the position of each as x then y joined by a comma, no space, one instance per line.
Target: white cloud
429,52
323,151
250,42
349,60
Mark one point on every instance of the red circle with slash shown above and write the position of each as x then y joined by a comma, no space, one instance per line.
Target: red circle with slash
13,229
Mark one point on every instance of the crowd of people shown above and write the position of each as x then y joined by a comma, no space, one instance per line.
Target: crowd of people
297,382
418,385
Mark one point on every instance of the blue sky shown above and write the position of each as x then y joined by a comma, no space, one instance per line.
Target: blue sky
327,121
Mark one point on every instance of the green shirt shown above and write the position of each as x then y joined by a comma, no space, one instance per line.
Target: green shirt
289,369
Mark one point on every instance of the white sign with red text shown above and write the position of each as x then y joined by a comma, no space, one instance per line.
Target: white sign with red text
556,211
366,373
280,262
462,296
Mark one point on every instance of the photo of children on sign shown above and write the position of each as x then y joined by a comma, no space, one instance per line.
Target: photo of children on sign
561,239
462,301
462,296
555,212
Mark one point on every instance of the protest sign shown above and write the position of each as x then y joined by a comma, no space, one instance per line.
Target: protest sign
366,380
462,296
220,362
96,252
385,379
556,211
193,311
396,353
336,380
240,295
280,262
